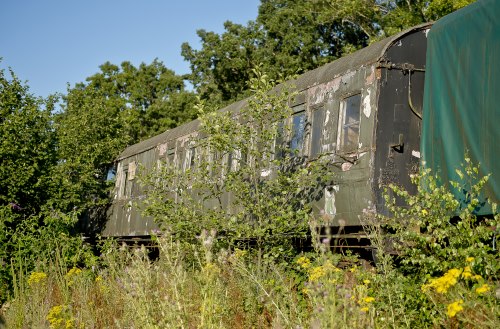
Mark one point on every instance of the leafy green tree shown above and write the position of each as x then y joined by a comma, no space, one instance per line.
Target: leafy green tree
293,36
149,98
117,107
239,183
27,146
28,159
89,139
434,232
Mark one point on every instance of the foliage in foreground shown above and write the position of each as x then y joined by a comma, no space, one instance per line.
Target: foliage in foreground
192,285
237,179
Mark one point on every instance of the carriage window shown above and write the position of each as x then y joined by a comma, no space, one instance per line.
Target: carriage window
230,162
171,156
189,161
123,183
349,127
317,128
280,141
298,131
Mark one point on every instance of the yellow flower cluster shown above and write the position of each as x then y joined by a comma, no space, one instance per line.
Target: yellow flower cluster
316,273
71,275
103,288
304,262
481,290
59,318
453,308
442,284
36,277
365,302
368,299
73,272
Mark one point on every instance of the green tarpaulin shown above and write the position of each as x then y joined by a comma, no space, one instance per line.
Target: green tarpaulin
462,95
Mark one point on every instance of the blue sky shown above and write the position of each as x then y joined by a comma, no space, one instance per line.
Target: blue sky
50,43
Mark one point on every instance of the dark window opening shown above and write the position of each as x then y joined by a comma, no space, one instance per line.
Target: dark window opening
318,118
297,132
349,129
280,141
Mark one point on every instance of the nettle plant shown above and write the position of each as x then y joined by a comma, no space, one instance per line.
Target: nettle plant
244,184
434,232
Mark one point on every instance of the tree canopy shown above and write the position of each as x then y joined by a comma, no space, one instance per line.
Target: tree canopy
292,36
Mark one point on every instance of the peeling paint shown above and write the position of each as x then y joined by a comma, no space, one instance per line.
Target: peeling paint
416,154
370,78
317,94
367,107
265,172
132,167
330,207
347,77
162,149
346,166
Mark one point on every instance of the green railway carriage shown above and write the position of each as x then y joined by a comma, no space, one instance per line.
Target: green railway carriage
360,110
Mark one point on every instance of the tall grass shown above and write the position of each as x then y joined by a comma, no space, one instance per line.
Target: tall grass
191,287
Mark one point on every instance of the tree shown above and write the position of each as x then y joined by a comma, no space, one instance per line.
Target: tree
149,98
90,136
27,146
240,184
293,36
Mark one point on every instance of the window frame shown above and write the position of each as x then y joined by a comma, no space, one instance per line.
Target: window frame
342,146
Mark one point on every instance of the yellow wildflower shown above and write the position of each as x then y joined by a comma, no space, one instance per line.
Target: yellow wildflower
211,269
238,253
73,272
442,284
304,262
469,259
466,275
56,316
477,277
36,277
366,281
364,309
424,212
316,273
353,269
368,299
453,308
481,290
69,324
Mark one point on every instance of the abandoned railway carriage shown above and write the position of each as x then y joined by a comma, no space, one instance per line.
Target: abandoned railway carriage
365,110
360,108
